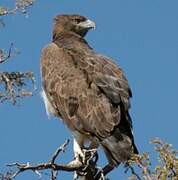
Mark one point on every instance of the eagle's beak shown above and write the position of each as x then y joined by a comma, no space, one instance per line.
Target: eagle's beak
88,24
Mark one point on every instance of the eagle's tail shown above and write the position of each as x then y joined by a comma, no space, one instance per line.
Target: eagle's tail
120,144
118,150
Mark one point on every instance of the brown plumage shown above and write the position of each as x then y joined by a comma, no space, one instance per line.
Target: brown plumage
88,91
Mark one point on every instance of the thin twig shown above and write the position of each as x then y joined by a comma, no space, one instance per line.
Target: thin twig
54,175
8,56
145,170
59,149
128,166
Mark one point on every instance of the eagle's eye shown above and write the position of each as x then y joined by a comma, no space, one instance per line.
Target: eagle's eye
77,20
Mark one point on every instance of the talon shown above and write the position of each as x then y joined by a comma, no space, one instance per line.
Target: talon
90,154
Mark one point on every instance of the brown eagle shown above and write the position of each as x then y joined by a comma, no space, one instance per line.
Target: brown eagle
88,91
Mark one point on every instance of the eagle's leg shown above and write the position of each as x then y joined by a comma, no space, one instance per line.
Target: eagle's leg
87,156
79,156
91,151
78,152
84,151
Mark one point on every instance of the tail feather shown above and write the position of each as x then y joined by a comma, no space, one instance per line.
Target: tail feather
117,150
120,145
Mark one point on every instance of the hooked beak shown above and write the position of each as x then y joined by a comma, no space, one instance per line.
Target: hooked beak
88,24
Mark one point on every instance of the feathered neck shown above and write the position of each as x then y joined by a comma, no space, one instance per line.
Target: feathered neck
70,40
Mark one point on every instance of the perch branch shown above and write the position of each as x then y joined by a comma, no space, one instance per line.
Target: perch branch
85,169
48,165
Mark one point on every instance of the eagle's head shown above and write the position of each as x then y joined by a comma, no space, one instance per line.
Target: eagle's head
72,23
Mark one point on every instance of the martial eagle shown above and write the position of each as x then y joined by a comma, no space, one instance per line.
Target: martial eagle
87,91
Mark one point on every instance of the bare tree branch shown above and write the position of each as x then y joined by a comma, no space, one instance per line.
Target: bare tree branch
12,52
86,170
59,149
134,174
6,176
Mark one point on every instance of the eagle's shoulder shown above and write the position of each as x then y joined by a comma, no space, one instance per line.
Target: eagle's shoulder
50,47
50,51
52,58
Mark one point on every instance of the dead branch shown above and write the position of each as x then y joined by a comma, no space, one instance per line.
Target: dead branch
13,84
85,169
12,52
43,166
59,149
20,6
6,176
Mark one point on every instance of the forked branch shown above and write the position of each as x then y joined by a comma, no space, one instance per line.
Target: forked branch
54,167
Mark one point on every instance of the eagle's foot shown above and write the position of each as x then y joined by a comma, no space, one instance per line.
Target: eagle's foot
89,164
90,155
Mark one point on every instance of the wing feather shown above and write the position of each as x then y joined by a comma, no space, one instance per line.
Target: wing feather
85,91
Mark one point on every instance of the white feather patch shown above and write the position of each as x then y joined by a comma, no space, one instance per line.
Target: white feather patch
77,150
49,108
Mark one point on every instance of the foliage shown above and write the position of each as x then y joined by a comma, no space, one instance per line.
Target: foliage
167,163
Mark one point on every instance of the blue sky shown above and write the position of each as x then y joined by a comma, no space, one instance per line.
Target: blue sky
141,35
